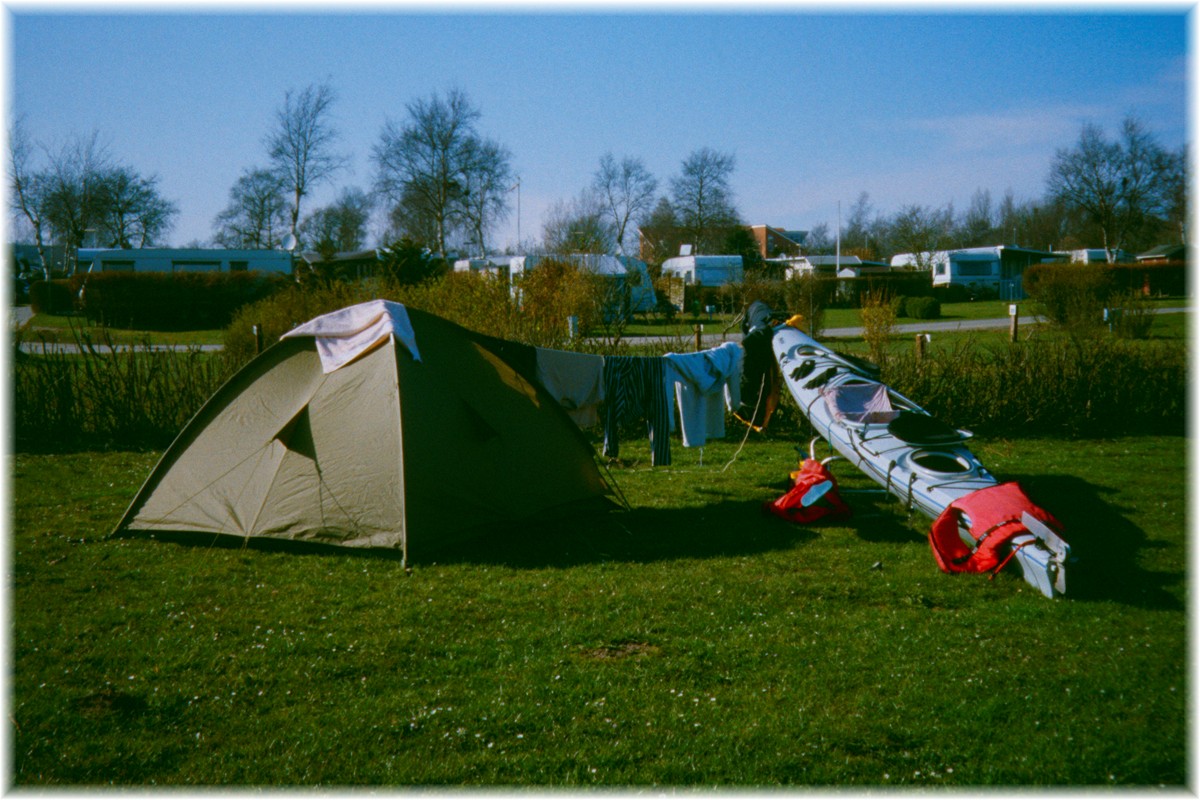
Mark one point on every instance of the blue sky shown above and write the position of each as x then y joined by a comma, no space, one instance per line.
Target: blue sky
917,106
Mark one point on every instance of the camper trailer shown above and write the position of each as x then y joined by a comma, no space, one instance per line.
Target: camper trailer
705,270
499,266
997,269
171,260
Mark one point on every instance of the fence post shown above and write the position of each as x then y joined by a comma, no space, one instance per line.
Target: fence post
258,338
696,330
919,348
1012,322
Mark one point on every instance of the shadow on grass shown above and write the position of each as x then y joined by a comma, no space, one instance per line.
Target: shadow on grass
641,535
879,518
1104,545
723,528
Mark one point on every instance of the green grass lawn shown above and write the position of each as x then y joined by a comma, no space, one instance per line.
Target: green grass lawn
66,329
690,641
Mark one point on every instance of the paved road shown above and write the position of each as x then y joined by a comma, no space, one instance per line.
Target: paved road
19,316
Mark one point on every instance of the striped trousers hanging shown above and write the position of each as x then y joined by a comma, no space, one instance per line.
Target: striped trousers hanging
635,388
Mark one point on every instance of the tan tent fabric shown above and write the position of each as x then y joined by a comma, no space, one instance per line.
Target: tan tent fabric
385,451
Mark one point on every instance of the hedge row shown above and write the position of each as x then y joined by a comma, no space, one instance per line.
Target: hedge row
51,297
1170,278
156,300
921,307
1057,387
1080,388
97,400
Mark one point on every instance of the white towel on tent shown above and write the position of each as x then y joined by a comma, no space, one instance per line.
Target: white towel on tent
344,335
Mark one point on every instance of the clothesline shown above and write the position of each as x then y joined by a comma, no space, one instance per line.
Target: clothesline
694,388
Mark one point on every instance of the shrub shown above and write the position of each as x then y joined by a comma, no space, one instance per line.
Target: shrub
1169,278
132,398
51,297
407,263
878,314
548,295
1080,387
953,293
284,310
922,307
853,291
663,307
140,398
171,302
1131,315
724,298
536,313
1071,296
809,296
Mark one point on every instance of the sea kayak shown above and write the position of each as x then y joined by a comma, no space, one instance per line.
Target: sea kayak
923,463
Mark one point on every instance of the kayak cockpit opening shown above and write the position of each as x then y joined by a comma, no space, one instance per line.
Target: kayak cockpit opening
915,427
939,463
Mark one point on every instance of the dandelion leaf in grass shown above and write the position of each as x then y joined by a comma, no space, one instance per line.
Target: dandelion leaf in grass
372,453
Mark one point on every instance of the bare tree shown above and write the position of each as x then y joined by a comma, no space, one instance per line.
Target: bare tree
256,215
341,226
1046,223
301,145
862,231
920,230
1176,191
28,188
703,199
659,235
1119,184
80,190
626,191
819,241
73,191
978,224
578,226
422,163
487,179
409,218
130,208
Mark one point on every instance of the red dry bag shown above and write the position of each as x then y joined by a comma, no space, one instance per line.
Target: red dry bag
814,496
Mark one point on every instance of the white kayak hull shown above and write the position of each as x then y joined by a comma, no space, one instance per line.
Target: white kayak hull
923,475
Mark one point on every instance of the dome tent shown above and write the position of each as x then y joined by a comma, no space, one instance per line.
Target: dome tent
375,426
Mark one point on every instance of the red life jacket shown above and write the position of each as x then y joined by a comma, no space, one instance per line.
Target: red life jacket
995,518
791,506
